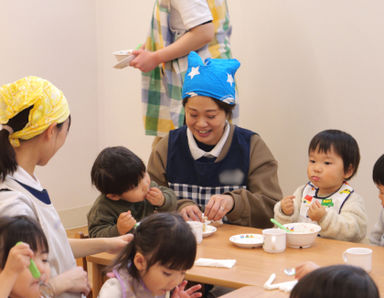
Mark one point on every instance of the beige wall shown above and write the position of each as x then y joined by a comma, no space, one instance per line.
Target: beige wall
306,66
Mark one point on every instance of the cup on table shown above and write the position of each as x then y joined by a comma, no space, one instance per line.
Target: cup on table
197,230
274,240
359,256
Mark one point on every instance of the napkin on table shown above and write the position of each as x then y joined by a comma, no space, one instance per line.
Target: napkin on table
226,263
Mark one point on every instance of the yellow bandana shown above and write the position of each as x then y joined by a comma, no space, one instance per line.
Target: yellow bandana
49,106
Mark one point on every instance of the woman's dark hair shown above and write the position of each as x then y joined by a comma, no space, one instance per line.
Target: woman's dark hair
8,163
378,171
227,108
20,228
341,281
117,170
342,143
163,238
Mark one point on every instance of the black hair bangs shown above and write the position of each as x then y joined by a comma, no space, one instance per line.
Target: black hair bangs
20,228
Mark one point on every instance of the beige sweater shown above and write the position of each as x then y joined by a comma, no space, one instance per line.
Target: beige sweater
254,205
349,225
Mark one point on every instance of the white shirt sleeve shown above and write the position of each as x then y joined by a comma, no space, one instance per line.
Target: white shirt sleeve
191,13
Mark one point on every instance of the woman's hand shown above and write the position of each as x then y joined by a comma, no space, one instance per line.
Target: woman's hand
218,206
144,60
115,244
74,281
180,292
191,212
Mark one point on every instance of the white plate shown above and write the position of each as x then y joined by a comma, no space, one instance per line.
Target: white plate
209,230
124,62
247,240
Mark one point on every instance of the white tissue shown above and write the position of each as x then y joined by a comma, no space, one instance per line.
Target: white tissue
226,263
283,286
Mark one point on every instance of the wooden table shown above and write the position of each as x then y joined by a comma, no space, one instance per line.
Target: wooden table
254,266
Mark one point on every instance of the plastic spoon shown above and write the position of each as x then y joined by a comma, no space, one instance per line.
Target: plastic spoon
280,225
32,267
290,271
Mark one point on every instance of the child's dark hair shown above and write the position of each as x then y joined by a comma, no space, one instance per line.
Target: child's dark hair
341,281
227,108
378,171
20,228
8,164
117,170
163,238
342,143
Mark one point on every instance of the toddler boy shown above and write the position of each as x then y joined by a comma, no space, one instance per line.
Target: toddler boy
127,193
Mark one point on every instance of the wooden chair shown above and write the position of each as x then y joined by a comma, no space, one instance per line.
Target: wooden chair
83,261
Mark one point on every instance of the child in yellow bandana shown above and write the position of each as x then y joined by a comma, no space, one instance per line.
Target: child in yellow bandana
35,120
327,199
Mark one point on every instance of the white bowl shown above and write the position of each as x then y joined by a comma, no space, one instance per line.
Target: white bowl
122,54
303,234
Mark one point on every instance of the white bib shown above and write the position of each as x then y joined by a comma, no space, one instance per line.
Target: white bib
334,201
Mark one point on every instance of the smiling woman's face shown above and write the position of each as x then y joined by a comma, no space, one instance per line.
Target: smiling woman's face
205,119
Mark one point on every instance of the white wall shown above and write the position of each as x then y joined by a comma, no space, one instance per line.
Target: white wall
306,66
56,40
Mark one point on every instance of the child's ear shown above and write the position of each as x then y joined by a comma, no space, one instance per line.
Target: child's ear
140,262
349,172
112,197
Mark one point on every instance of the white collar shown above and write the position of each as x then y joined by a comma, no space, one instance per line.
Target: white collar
23,176
215,152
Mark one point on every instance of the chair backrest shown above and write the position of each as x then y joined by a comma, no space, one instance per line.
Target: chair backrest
83,261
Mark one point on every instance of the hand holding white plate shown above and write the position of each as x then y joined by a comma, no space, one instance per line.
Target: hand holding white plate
247,240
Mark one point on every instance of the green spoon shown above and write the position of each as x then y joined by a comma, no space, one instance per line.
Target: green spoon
280,225
32,267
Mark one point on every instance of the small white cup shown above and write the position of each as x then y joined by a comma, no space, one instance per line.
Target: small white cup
197,230
359,256
274,240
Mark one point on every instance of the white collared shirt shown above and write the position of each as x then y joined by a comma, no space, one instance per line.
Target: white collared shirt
215,152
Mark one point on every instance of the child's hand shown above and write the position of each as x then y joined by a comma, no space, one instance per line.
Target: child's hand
179,291
305,268
316,212
19,258
155,196
125,222
287,205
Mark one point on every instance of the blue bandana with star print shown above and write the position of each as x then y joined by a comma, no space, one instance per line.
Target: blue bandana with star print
213,78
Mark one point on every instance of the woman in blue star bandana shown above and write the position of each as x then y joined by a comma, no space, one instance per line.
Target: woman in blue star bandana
213,166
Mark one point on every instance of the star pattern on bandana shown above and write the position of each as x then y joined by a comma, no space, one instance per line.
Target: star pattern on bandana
194,72
230,79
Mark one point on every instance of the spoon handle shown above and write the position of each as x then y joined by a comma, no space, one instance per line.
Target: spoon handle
280,225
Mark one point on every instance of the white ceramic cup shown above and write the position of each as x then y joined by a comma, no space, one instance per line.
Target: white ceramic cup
274,240
359,256
197,230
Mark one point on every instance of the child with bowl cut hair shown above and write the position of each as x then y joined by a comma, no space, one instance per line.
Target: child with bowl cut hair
327,199
127,193
154,263
377,234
